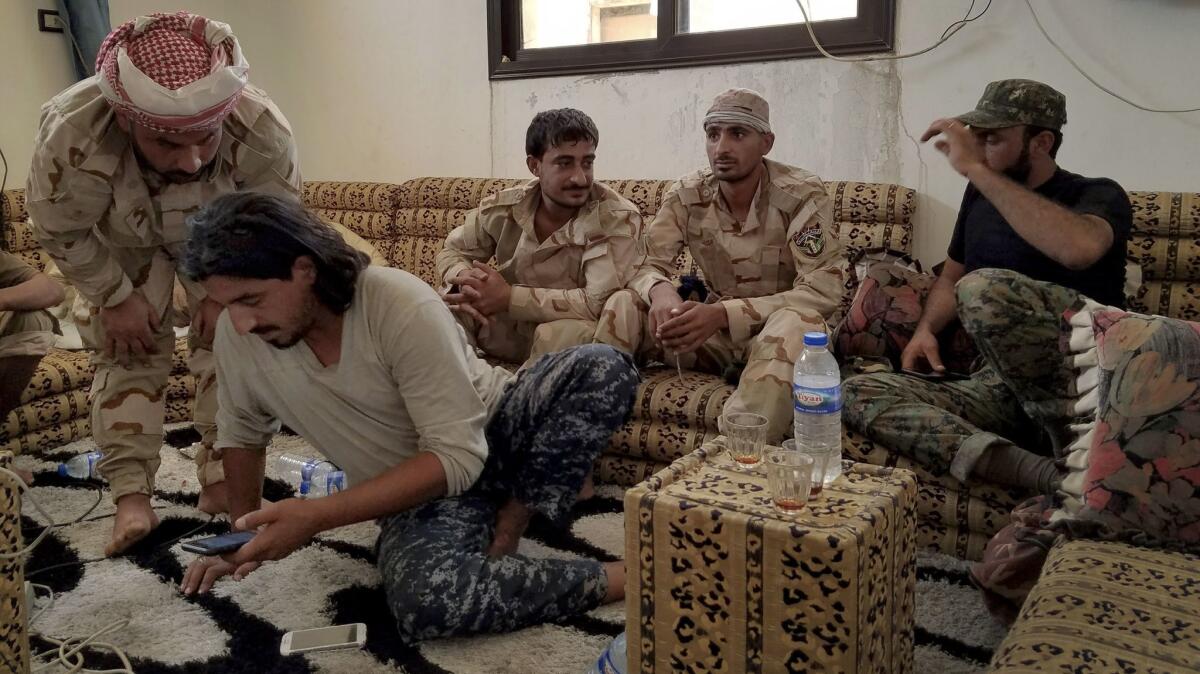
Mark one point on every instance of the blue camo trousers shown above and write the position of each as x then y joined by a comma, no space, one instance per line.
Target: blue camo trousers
551,424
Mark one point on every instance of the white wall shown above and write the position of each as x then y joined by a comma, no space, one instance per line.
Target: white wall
386,90
1146,50
374,89
33,67
831,118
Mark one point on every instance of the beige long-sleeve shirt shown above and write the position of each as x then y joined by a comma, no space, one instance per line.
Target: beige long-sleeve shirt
408,381
89,197
786,254
570,274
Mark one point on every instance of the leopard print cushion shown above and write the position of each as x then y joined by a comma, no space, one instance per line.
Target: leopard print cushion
14,614
1165,243
722,582
1108,607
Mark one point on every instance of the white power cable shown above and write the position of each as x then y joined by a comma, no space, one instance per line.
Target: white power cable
70,656
37,506
1091,79
69,652
946,35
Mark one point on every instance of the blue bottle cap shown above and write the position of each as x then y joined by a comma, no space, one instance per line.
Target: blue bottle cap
816,339
62,470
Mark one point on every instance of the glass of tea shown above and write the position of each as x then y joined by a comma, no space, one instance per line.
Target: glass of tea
823,459
789,479
745,434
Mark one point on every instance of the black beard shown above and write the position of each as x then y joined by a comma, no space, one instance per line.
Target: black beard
1019,172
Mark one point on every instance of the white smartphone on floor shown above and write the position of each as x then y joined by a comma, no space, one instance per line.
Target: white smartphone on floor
324,639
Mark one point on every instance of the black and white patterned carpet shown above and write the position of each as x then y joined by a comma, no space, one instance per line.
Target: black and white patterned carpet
238,626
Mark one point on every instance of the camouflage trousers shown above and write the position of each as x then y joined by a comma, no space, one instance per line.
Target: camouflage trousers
525,342
25,336
769,357
1021,396
129,401
551,424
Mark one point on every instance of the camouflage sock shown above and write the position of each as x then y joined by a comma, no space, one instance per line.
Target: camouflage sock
1010,465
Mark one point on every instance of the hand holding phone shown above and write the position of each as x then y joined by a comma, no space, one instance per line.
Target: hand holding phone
944,375
324,639
218,545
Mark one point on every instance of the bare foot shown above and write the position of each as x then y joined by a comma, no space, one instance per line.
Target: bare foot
214,499
588,490
135,519
26,476
511,520
616,581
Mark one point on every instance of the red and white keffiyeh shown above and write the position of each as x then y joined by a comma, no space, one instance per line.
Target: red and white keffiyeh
174,73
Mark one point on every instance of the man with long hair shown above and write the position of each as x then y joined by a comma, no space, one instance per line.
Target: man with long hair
167,123
451,455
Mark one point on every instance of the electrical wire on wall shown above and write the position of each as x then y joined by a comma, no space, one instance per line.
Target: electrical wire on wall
957,26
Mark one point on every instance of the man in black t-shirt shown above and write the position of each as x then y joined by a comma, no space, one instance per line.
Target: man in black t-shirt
1032,240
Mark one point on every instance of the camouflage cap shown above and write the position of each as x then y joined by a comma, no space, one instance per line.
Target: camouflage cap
1008,103
740,106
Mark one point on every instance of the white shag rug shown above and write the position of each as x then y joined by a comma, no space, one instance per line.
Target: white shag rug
238,626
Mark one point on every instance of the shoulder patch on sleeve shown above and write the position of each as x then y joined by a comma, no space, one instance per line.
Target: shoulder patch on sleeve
810,241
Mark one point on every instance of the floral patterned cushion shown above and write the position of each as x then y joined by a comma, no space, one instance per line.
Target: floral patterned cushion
1135,465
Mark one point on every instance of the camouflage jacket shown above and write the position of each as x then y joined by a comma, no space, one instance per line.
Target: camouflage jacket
88,194
570,274
786,254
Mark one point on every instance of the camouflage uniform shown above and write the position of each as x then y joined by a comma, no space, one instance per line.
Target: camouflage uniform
1020,397
558,286
778,275
25,336
22,333
550,425
115,227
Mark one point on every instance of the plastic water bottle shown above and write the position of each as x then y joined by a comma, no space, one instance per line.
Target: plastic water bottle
312,477
612,660
81,467
817,394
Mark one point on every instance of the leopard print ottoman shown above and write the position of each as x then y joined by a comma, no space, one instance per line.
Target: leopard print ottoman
1108,607
721,582
14,639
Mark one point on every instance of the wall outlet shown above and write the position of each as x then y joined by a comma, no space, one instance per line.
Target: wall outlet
49,21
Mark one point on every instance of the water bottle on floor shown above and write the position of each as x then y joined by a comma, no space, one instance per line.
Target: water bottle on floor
612,660
81,467
312,477
817,394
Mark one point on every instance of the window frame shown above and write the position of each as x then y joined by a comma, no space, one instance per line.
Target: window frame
871,31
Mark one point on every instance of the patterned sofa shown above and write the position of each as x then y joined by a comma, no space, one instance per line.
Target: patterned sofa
408,222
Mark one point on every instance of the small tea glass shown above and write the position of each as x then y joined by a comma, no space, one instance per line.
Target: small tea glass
823,459
789,479
745,435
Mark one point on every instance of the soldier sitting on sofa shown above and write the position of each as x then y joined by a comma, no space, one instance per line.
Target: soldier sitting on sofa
562,244
26,328
761,233
1030,241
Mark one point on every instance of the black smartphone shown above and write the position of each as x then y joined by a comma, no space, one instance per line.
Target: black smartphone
218,545
937,376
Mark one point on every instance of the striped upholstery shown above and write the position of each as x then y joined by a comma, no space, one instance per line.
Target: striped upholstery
1166,244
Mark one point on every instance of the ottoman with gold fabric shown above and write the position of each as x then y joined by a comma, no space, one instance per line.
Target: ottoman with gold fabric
14,639
719,581
1108,607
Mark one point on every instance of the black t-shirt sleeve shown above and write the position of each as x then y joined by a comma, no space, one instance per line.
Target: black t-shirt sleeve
1106,200
957,250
